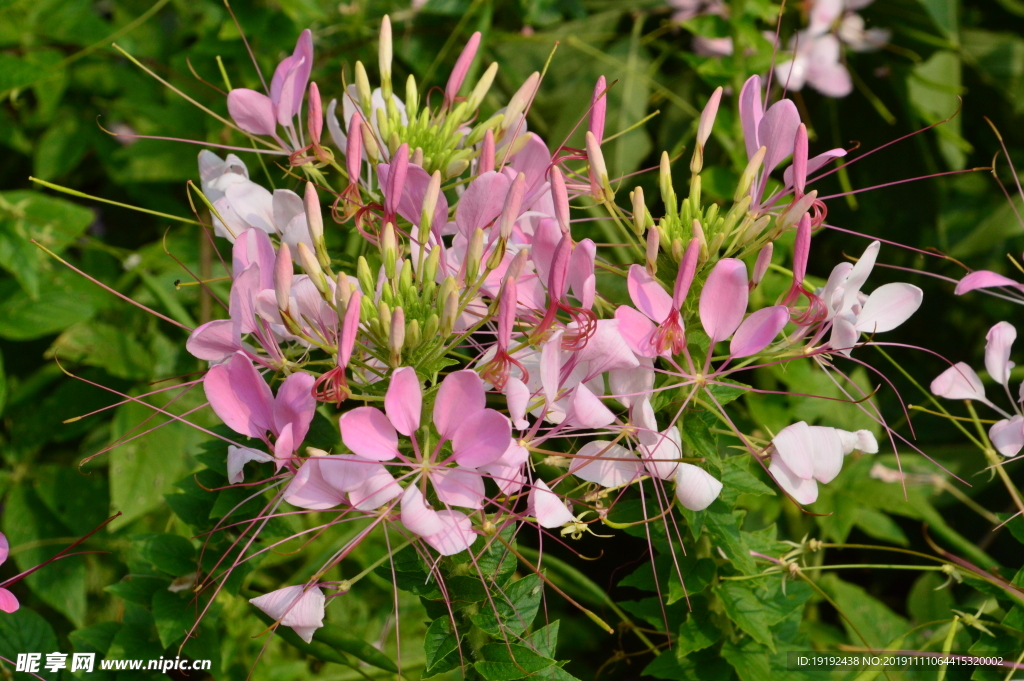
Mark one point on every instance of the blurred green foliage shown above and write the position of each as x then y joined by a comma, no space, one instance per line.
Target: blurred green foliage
64,88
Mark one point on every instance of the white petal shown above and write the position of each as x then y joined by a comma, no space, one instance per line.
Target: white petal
889,306
695,487
611,466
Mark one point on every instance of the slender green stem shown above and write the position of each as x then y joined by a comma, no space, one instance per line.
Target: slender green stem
72,192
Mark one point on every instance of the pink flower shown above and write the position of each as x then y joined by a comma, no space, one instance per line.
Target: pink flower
242,399
8,601
805,455
298,607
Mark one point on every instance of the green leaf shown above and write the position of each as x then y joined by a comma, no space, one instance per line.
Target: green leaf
138,588
61,302
928,600
18,73
745,609
138,638
934,88
545,639
724,529
170,553
507,662
441,648
113,349
705,665
79,501
999,58
516,606
174,615
698,631
749,659
863,615
60,149
24,631
736,475
144,469
880,526
94,639
61,584
698,440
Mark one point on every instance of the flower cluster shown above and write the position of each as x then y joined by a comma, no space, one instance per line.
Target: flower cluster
480,372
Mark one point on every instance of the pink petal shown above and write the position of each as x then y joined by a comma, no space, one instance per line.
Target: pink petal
750,113
959,382
606,463
795,447
859,274
636,329
997,351
482,202
461,68
695,487
804,490
5,547
417,516
581,272
606,350
758,331
295,405
777,132
458,487
455,536
240,397
297,607
888,306
481,438
630,385
546,507
378,489
550,366
404,400
661,457
369,433
1008,435
253,246
517,396
509,479
8,601
814,164
460,396
828,453
586,410
309,489
347,473
214,341
843,337
252,111
723,302
410,206
648,295
984,279
237,458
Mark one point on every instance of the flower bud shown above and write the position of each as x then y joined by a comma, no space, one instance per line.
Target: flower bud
520,100
737,212
598,108
342,292
429,207
640,220
405,278
396,339
755,228
796,211
560,197
482,87
283,271
456,168
413,337
314,114
384,54
384,128
764,259
431,265
599,185
698,233
389,250
513,203
518,264
309,263
432,326
354,148
365,277
315,224
800,161
749,173
384,317
707,122
487,157
676,250
653,245
461,68
370,144
417,157
450,313
412,97
668,194
474,254
716,244
363,89
447,286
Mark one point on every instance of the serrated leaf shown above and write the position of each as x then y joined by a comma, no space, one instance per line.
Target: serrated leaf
516,607
545,639
174,615
724,529
698,631
745,609
507,662
25,631
440,647
749,659
170,553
